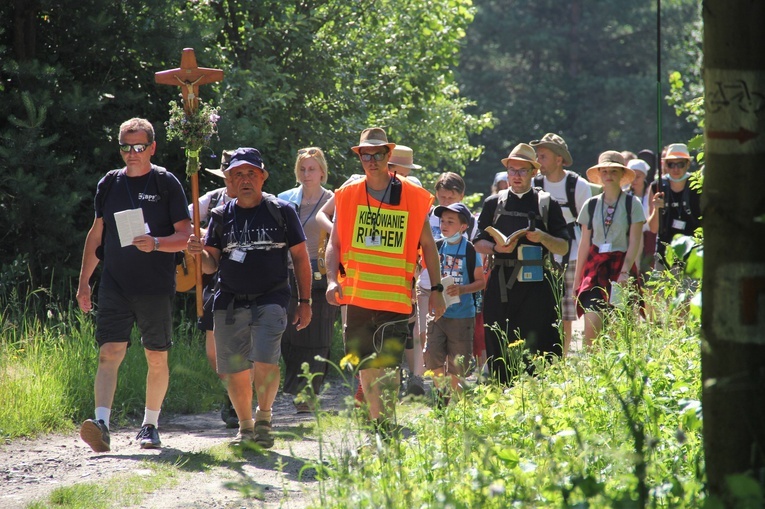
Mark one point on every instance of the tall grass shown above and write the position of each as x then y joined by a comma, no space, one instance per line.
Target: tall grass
616,426
48,361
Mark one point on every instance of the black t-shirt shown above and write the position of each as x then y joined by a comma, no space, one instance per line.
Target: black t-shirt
256,234
556,224
683,214
126,269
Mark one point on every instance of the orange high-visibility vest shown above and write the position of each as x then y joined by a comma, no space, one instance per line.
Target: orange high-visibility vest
379,276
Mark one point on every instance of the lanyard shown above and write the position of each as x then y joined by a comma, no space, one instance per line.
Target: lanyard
369,209
608,217
244,230
314,209
145,187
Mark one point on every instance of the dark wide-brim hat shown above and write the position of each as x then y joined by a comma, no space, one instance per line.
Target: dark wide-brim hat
373,137
557,144
611,159
225,159
247,155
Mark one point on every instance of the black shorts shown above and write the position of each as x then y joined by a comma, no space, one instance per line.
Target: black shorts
377,338
592,301
117,313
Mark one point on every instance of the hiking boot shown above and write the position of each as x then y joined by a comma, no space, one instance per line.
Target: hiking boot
148,437
304,407
263,436
228,414
245,438
415,385
96,435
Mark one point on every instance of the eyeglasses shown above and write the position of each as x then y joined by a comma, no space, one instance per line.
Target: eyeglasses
309,151
679,164
377,156
138,147
518,173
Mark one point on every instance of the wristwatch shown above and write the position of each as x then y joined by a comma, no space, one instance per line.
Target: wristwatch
305,301
438,288
156,244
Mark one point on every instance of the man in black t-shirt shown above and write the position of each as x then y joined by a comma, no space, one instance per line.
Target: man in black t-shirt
138,279
247,243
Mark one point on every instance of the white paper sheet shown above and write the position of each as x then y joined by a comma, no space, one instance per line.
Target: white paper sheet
130,225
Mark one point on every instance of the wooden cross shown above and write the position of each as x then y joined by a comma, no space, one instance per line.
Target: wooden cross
190,77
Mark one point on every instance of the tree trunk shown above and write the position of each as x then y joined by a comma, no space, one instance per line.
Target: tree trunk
733,317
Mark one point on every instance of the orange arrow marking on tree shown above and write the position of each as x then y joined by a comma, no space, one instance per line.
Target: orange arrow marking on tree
742,135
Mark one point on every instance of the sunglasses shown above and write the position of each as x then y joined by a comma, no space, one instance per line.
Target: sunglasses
679,165
138,147
309,151
377,156
518,173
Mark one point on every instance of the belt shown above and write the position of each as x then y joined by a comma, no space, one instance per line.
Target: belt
249,297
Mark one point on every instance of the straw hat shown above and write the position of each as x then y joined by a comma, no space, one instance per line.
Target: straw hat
403,156
611,159
678,151
522,152
225,160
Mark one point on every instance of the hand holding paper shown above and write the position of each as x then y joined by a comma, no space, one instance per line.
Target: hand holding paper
130,225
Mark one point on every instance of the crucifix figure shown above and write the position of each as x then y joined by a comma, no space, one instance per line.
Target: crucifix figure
190,77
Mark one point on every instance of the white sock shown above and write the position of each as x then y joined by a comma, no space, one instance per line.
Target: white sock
150,417
261,415
247,425
103,414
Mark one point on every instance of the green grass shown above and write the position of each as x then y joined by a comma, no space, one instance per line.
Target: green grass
119,491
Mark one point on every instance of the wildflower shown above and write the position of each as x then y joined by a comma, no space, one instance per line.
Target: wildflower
195,131
349,360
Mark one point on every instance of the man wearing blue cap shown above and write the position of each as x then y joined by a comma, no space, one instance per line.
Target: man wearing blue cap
247,243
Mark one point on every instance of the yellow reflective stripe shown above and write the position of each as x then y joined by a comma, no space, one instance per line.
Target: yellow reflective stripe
382,279
380,296
385,262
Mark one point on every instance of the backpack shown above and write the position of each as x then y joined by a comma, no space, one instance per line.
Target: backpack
543,201
628,204
161,176
571,180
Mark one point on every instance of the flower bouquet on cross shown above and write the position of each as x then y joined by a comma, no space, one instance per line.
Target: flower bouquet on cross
193,130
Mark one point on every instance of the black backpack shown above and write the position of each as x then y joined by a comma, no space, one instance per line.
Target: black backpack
571,179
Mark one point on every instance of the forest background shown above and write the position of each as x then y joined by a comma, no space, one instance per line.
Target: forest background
460,82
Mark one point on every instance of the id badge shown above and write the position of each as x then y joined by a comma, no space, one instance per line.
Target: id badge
237,255
146,229
372,240
677,224
605,248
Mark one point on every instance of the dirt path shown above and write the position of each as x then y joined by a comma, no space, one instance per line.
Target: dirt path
31,469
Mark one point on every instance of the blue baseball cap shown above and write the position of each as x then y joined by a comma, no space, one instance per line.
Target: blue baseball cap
247,155
459,207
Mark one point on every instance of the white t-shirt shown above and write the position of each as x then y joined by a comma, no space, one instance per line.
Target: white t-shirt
582,193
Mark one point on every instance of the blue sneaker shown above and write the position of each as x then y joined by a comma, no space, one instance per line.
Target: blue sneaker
148,437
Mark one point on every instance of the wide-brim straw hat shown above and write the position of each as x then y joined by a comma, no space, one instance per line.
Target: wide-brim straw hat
678,151
611,159
522,152
558,146
403,156
373,137
225,160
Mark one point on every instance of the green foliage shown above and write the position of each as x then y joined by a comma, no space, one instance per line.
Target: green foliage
585,70
616,426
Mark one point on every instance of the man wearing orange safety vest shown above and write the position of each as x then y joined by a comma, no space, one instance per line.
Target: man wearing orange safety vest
380,220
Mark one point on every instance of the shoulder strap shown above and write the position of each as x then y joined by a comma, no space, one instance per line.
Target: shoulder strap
591,209
628,206
275,210
543,198
470,258
571,181
501,201
109,179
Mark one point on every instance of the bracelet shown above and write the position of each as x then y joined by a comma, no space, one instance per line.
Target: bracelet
304,301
